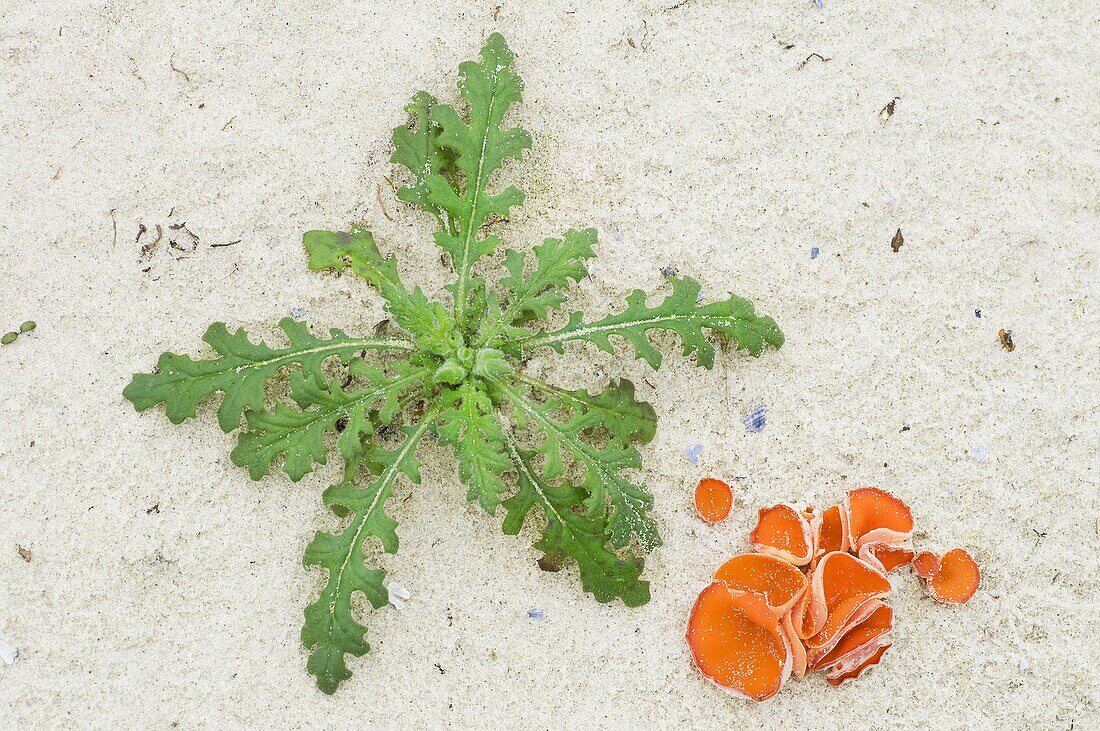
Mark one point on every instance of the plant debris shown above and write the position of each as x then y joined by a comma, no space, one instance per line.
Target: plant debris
1005,336
897,241
887,111
9,337
806,60
24,553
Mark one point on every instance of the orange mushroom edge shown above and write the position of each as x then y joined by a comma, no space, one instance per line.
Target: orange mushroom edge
784,532
713,499
876,516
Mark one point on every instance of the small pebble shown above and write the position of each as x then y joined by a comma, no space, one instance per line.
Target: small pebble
814,252
693,452
1022,664
27,326
297,313
535,613
8,653
819,3
755,420
398,594
979,453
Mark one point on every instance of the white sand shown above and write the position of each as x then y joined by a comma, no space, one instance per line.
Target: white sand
690,137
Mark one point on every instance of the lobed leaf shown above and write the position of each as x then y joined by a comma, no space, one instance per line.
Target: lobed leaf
681,313
558,263
614,409
241,370
469,425
604,574
604,481
416,146
430,324
297,434
490,88
331,630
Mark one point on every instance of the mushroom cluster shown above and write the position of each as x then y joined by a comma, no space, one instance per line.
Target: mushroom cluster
813,595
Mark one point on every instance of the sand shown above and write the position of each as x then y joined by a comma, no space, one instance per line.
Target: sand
726,139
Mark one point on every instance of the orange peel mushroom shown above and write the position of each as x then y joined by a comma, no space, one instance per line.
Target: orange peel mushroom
839,587
925,564
784,532
831,531
876,516
736,642
843,672
885,557
713,499
860,642
812,598
799,663
955,579
780,583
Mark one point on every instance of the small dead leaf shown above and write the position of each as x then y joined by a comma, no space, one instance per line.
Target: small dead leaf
551,562
887,111
818,56
23,553
1005,336
897,241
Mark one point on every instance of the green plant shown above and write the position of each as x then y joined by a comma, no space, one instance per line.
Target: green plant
456,372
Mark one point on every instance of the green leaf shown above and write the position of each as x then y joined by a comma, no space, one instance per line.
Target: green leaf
490,363
298,434
680,313
416,146
241,371
604,481
558,262
490,88
614,409
429,323
604,574
469,425
331,631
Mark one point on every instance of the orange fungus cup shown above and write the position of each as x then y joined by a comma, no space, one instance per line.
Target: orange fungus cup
713,499
813,596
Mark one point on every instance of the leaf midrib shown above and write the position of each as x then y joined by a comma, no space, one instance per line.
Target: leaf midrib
384,480
464,273
547,505
354,343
